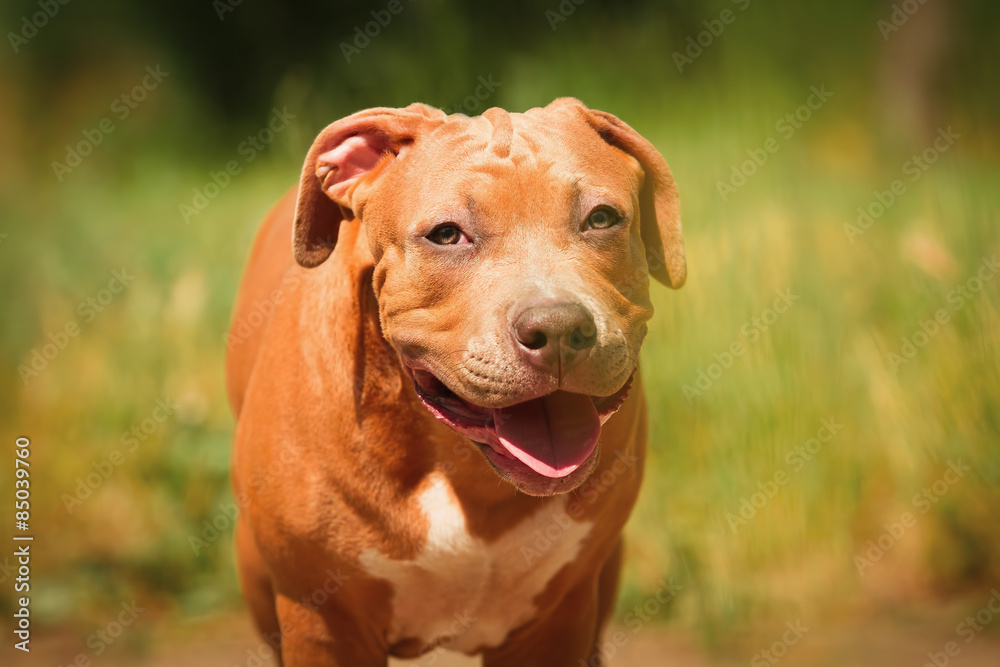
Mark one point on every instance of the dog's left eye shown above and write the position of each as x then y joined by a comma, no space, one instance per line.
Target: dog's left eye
447,235
602,218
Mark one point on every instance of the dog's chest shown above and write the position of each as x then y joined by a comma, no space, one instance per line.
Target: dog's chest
466,594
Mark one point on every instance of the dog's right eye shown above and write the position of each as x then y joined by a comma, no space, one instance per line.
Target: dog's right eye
602,217
447,235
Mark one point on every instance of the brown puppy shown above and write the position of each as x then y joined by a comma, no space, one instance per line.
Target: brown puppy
441,428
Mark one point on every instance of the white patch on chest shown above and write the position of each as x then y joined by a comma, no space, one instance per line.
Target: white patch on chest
464,592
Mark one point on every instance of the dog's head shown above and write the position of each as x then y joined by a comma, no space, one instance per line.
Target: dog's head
512,262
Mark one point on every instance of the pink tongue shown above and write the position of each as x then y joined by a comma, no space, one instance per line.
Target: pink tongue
551,435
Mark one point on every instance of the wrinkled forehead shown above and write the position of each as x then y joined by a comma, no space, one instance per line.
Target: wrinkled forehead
524,157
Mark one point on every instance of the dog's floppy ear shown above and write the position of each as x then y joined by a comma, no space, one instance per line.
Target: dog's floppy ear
342,156
659,204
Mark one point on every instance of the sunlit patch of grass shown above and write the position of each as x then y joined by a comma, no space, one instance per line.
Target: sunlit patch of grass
827,357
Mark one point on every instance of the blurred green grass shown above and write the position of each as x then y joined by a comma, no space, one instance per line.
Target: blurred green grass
827,357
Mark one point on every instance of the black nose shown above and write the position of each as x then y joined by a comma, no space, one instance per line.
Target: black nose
548,328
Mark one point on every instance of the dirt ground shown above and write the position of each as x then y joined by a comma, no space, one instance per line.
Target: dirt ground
903,637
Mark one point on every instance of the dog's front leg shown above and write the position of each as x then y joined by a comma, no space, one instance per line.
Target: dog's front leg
331,639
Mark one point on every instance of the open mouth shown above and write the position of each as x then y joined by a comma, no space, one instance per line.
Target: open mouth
552,435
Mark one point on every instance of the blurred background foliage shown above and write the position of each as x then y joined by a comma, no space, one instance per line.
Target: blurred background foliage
827,357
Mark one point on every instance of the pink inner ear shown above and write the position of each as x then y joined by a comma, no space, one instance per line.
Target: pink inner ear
339,168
